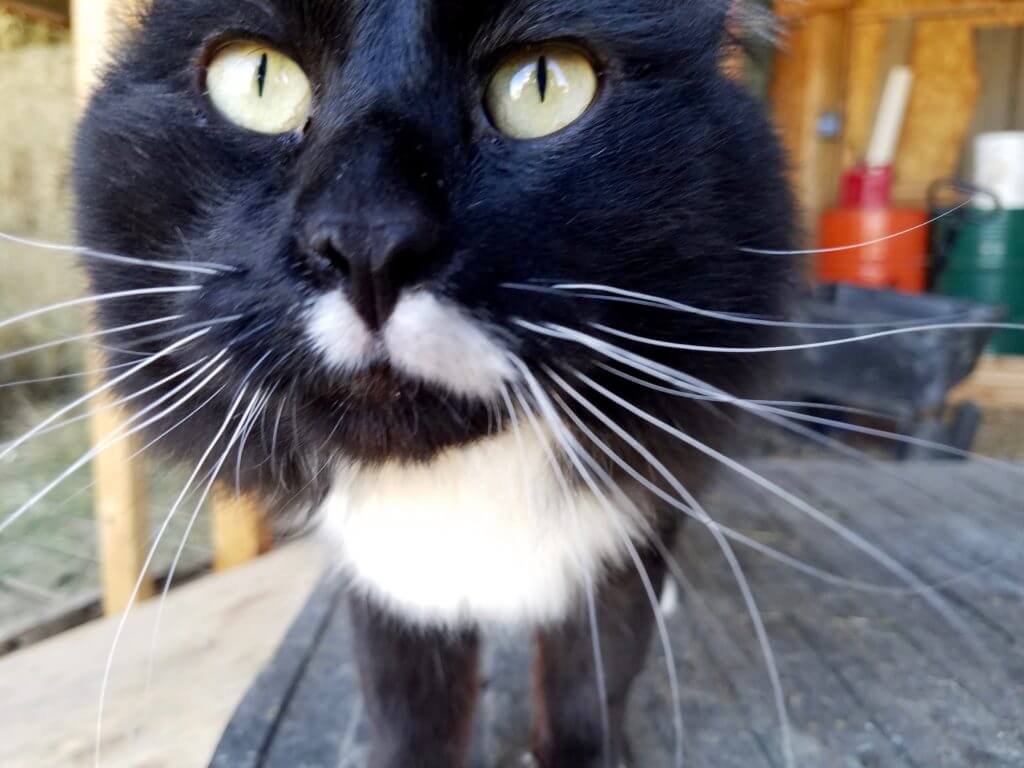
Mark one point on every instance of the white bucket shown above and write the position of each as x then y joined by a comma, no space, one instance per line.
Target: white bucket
999,167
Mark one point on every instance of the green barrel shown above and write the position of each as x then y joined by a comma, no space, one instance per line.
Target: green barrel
985,263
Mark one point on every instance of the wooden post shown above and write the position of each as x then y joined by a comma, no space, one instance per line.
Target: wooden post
119,496
807,89
239,533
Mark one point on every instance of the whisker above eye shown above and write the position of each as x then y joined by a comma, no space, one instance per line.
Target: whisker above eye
170,266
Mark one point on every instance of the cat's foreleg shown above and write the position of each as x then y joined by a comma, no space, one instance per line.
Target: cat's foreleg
419,687
569,727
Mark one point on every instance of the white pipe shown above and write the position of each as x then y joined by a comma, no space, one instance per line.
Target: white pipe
892,111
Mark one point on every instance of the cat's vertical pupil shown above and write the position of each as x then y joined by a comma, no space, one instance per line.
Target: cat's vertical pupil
261,73
542,77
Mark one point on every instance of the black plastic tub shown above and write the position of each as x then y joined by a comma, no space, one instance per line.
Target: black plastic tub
906,376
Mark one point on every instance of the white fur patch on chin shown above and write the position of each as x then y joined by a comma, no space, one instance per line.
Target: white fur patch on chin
337,332
426,338
481,535
434,340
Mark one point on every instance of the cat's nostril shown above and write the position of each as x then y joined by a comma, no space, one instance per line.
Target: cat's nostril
325,248
377,257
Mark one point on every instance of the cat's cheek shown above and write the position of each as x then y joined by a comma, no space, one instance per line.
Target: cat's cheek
433,340
338,334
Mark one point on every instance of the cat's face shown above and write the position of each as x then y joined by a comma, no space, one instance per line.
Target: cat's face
367,239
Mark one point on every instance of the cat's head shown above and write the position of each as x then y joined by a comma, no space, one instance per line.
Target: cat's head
368,202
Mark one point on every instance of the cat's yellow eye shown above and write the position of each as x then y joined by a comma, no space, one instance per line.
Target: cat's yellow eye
540,91
259,88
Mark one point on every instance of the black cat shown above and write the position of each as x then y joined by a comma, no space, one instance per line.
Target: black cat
407,237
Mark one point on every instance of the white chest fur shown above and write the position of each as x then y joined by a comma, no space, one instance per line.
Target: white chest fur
483,534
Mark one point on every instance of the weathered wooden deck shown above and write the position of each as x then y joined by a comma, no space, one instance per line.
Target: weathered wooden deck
871,680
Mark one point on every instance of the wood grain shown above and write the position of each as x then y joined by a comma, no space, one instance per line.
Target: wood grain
997,383
870,680
216,635
986,11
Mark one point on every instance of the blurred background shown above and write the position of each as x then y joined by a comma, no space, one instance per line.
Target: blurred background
895,113
50,576
905,123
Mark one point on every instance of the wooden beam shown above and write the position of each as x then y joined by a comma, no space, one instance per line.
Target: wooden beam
808,86
1018,84
239,531
56,12
119,495
998,382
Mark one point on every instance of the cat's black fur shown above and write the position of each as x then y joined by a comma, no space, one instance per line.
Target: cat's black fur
656,189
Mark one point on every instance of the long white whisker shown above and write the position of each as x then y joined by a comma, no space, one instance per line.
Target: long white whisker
579,458
154,441
85,300
247,416
598,653
753,609
857,246
714,398
170,266
595,636
66,376
121,434
146,566
691,384
876,553
609,293
86,337
860,339
106,387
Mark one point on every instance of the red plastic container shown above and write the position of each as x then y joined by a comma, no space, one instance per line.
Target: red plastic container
883,261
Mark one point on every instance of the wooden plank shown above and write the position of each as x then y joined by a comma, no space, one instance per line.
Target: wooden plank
981,11
239,530
997,61
48,11
216,635
997,383
1017,122
870,679
807,83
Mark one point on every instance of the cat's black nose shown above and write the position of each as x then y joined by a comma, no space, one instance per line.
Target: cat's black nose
378,257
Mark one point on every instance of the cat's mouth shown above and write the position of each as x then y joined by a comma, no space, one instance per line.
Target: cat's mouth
427,340
380,385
